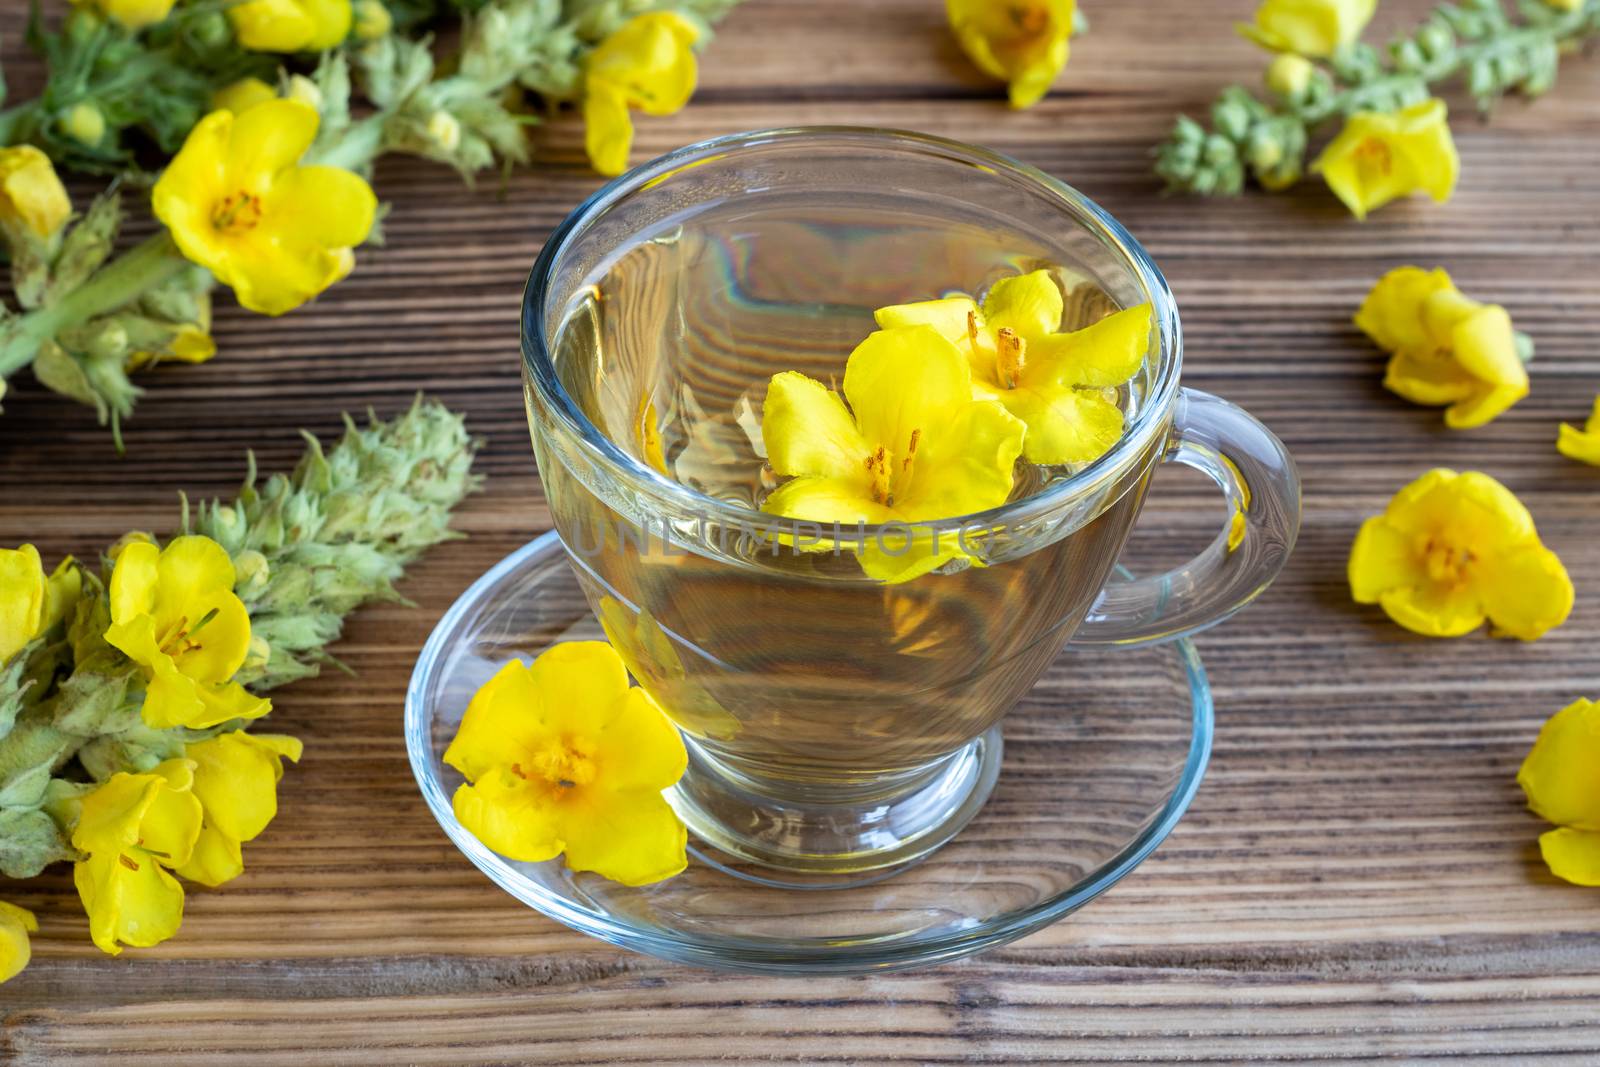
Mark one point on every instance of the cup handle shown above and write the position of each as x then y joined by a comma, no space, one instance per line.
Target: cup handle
1258,477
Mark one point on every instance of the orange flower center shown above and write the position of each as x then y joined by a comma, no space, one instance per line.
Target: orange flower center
1029,19
1446,563
1375,157
236,213
880,465
1010,359
565,762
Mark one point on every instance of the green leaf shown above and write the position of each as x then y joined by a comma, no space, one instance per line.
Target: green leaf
30,840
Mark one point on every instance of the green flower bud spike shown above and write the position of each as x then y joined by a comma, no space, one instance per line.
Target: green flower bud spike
1475,40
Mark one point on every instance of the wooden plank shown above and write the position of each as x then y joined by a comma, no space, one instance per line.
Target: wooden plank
1357,879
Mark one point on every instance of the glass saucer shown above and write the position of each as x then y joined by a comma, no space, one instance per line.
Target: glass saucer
1100,760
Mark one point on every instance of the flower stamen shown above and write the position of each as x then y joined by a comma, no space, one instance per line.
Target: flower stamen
1011,358
236,213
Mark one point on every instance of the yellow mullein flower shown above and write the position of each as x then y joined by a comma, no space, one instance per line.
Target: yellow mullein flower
134,827
134,14
1453,549
1582,445
1290,75
15,950
1565,5
239,204
1379,157
33,202
648,64
30,603
914,446
1054,382
1021,42
1561,778
1309,27
1447,348
174,612
562,755
236,779
290,25
242,95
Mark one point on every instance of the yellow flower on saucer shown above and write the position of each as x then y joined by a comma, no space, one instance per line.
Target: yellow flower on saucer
914,446
1379,157
134,14
133,828
290,25
1054,382
1021,42
239,204
174,612
1582,445
1447,348
647,64
15,950
33,202
236,780
242,95
30,603
1561,777
562,755
1309,27
1453,549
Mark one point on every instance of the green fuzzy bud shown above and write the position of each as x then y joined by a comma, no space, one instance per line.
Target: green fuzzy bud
1435,40
211,31
252,573
1408,56
1219,151
1231,120
84,123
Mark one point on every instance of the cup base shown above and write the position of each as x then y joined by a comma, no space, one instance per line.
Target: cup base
732,814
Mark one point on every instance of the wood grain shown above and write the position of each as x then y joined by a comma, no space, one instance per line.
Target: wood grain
1357,881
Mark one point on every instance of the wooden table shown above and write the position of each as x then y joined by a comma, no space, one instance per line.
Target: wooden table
1358,879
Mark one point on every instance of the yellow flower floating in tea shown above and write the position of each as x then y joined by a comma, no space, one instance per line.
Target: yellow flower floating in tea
914,446
175,614
1381,156
563,756
648,64
1309,27
15,950
1057,383
1453,550
1561,778
1447,348
1582,445
1024,43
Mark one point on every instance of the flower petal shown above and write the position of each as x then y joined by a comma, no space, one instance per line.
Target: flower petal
949,317
510,816
504,718
15,951
1485,346
140,905
1065,425
878,380
266,139
133,582
1381,559
1029,305
639,748
1573,855
1427,376
607,129
629,837
825,500
1106,353
216,859
808,432
108,821
581,685
324,207
968,465
1434,609
1561,774
170,826
221,703
22,598
236,778
1391,314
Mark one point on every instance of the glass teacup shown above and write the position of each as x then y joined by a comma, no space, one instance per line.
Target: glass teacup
838,723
